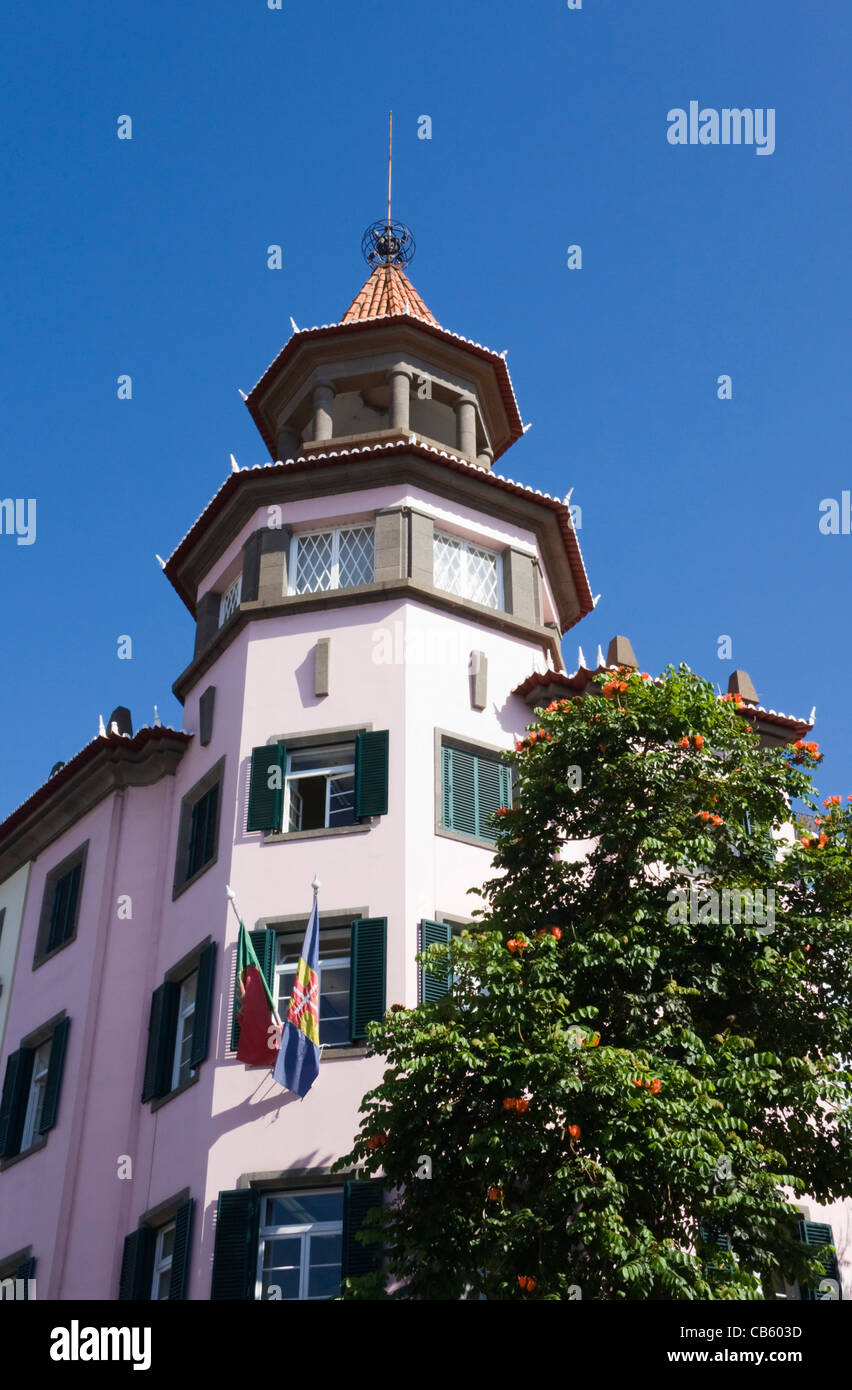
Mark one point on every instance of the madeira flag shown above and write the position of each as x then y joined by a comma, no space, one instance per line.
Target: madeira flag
297,1063
254,1007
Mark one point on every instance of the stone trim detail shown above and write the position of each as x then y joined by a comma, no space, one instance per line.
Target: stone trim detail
322,657
478,680
205,715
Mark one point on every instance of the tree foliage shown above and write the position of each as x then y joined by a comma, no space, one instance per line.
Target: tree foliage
621,1082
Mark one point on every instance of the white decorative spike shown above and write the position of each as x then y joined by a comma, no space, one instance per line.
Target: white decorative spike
101,729
601,661
113,728
160,561
235,467
405,307
527,427
504,354
596,600
157,720
294,325
812,715
581,659
242,393
567,497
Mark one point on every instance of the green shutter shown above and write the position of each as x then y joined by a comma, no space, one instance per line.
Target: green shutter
819,1236
64,908
434,986
358,1199
235,1249
180,1252
162,1028
25,1271
265,802
460,810
203,1004
53,1080
367,978
474,787
137,1266
13,1105
371,774
265,943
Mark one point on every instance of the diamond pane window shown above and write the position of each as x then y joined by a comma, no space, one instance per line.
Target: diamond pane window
467,570
336,559
230,600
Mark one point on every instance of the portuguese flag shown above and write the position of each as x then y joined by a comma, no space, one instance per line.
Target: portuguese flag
255,1008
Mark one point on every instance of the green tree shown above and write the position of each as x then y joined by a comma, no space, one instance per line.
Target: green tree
623,1090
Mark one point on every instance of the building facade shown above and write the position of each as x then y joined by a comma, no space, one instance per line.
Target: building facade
376,613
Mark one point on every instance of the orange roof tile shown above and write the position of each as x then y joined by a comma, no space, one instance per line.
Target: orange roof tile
388,291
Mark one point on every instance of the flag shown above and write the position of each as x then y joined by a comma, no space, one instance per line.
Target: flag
254,1008
297,1063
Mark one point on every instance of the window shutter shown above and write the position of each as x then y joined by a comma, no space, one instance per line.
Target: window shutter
137,1265
817,1234
180,1251
203,1004
162,1028
19,1066
494,789
235,1249
64,907
434,986
367,979
265,802
53,1080
358,1199
25,1271
265,943
371,774
460,781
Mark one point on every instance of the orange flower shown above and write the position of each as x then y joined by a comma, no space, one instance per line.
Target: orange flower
622,685
805,841
798,743
637,1081
557,932
519,743
684,743
525,1282
554,705
823,840
702,815
522,1106
509,1103
655,1086
717,820
699,740
495,1194
574,1131
645,676
377,1141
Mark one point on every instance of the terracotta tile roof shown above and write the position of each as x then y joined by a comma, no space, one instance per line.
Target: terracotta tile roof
578,682
340,457
388,291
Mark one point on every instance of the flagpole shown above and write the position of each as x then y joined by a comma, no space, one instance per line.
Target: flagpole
232,899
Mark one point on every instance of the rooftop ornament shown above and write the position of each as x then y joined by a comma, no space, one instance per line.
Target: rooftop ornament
388,242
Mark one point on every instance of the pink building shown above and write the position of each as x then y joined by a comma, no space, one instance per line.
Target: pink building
375,615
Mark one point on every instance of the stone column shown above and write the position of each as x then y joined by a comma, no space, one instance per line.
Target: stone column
466,426
400,378
485,457
323,407
289,442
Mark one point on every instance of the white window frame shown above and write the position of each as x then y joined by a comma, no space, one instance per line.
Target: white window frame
466,546
185,1012
334,532
325,962
333,769
35,1098
231,599
162,1263
304,1234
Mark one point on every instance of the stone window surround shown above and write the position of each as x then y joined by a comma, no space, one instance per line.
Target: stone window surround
9,1263
343,734
164,1212
467,745
342,917
214,774
287,1178
404,567
176,974
78,856
33,1040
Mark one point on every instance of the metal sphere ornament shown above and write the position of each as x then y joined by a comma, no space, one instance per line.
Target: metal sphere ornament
388,243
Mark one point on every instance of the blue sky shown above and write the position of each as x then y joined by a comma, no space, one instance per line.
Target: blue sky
252,126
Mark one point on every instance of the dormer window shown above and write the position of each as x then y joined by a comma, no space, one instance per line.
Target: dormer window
230,600
334,559
467,570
